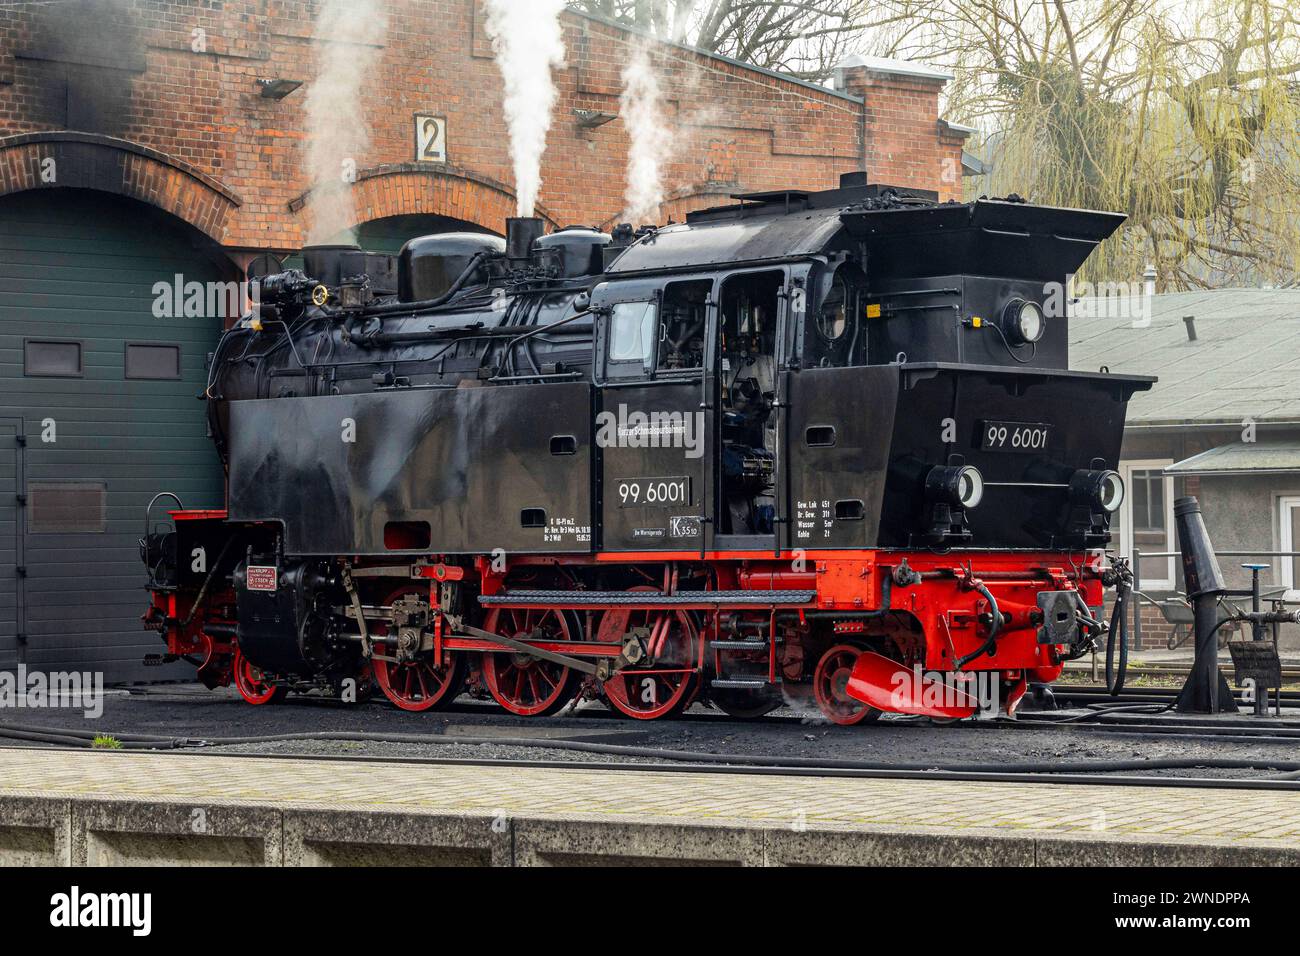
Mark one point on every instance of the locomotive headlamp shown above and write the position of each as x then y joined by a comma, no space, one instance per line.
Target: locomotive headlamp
959,485
1104,489
1023,322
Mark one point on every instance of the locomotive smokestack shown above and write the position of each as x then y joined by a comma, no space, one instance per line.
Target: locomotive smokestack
521,233
324,263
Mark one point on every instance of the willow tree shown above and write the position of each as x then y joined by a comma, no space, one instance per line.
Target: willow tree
1184,115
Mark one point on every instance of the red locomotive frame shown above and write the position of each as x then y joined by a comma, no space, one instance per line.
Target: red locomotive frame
888,629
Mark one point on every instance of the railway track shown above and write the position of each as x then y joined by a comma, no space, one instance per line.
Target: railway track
1290,672
1096,692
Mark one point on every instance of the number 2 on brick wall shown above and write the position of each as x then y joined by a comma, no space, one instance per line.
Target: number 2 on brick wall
430,138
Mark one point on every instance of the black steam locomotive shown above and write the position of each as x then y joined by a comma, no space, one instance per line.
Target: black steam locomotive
813,444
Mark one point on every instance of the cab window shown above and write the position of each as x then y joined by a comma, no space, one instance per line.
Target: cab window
835,335
632,335
661,335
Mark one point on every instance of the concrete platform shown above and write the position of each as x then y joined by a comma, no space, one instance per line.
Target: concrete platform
106,808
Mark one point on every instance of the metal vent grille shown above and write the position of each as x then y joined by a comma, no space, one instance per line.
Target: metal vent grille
67,507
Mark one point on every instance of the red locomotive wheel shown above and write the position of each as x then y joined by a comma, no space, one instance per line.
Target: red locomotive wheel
526,685
830,683
252,684
419,684
665,687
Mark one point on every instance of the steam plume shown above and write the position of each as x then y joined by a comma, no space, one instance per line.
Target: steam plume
348,34
641,105
529,42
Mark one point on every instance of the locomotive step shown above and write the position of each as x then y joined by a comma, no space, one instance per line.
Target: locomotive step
738,683
644,598
738,645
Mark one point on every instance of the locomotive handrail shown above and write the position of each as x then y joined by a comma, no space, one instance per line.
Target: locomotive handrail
180,506
1228,554
677,379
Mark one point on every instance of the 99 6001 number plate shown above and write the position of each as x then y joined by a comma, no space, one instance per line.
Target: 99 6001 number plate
671,492
1015,436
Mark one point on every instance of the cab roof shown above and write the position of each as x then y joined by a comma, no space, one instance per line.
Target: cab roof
903,233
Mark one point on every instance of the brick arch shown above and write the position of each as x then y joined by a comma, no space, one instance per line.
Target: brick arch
409,189
107,164
680,202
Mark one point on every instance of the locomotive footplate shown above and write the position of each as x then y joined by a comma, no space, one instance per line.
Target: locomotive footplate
684,600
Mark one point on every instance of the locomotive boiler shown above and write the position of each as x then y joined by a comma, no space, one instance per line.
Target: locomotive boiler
815,446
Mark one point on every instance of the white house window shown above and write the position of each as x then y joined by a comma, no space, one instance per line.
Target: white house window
1290,541
1148,521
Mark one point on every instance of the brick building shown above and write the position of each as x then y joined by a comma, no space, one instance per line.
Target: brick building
142,140
167,108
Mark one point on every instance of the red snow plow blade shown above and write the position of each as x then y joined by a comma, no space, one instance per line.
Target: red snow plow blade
889,686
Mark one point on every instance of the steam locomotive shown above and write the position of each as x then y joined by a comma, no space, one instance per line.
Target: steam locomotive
812,446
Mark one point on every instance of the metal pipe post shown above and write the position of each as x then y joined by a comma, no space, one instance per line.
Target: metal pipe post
1206,690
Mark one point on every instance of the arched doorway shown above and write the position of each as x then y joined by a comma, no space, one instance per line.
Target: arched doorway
99,376
390,233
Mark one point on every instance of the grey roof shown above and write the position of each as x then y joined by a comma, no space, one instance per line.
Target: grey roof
1244,364
1241,458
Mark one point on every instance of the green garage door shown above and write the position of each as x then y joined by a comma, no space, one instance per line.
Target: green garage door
106,394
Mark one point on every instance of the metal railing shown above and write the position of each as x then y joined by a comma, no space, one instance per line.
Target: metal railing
1138,555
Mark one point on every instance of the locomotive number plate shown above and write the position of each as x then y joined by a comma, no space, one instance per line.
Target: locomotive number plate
261,578
1014,436
653,492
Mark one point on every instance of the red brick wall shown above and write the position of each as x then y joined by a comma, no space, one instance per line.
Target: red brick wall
732,128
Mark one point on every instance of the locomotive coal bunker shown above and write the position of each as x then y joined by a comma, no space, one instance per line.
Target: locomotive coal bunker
804,446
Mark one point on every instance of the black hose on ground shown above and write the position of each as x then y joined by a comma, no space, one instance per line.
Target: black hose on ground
698,757
71,739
